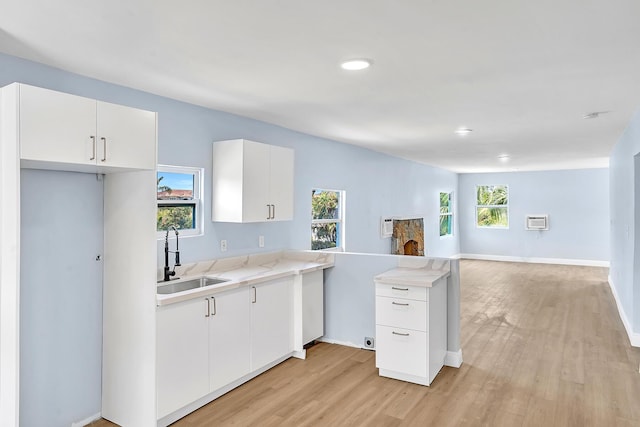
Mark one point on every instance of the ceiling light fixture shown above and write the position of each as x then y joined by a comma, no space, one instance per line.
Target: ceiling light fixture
463,131
504,157
356,64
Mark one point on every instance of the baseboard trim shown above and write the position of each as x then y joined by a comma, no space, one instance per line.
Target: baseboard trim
345,343
634,337
453,359
87,420
534,260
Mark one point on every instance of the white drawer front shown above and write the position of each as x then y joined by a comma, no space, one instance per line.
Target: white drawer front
402,350
401,291
401,313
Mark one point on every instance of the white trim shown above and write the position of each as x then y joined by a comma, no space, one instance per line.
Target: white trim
534,260
87,420
634,337
453,359
345,343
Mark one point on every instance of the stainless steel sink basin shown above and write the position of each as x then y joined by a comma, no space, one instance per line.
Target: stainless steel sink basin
185,285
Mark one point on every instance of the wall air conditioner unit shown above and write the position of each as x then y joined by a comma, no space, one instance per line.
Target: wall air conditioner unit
537,222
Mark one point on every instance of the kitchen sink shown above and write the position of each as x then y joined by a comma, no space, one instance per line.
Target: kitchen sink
185,285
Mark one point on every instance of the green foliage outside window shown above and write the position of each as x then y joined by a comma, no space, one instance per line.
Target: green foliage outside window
180,215
325,205
492,206
446,214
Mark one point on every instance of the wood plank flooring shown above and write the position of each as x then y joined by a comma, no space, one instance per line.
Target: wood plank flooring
543,345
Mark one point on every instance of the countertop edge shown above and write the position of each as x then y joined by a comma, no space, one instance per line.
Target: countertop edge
165,300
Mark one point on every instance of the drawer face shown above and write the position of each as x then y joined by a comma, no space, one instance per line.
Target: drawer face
402,350
401,291
401,313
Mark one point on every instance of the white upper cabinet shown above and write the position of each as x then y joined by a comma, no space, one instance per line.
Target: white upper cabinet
252,182
59,128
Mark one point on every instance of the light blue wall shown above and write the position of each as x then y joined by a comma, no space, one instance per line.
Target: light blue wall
625,224
60,298
577,202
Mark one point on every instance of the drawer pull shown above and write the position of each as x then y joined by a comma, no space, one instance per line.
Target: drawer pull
399,333
399,289
399,303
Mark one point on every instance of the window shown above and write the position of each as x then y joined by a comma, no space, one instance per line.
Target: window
446,214
179,200
327,229
492,206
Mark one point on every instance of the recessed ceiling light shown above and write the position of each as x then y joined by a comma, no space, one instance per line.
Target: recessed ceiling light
356,64
463,131
504,157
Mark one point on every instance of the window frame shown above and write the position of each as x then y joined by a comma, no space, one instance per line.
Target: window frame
340,244
449,214
197,201
505,206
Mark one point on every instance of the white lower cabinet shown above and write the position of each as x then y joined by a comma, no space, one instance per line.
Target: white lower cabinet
271,321
229,337
182,354
411,331
210,342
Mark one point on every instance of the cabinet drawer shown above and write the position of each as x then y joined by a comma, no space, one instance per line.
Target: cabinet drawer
401,313
401,291
402,350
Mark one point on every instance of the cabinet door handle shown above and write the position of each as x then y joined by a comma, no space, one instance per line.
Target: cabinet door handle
93,143
213,313
399,333
208,308
399,289
255,295
274,212
268,211
104,145
399,303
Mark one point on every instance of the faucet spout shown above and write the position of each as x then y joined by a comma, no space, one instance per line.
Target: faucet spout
168,273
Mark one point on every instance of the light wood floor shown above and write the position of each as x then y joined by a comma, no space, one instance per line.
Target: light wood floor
543,345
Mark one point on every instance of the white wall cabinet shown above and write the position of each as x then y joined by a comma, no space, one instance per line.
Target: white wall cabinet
411,331
183,354
229,337
271,322
252,182
62,128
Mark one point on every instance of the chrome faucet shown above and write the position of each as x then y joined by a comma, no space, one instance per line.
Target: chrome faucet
169,273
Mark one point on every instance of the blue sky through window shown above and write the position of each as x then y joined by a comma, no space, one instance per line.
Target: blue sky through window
176,181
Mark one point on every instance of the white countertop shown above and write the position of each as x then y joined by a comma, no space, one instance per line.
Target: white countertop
422,277
249,272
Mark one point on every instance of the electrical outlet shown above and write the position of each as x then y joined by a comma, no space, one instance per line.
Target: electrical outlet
223,245
261,241
369,342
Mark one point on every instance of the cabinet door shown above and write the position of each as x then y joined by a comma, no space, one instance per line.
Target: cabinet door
57,127
271,325
312,306
255,191
402,350
229,337
281,183
182,354
126,136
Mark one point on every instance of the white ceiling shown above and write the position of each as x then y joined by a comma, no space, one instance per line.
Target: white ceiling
520,74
